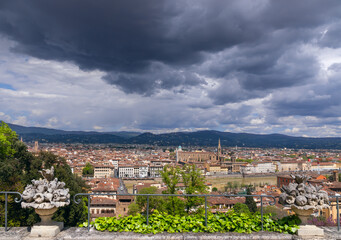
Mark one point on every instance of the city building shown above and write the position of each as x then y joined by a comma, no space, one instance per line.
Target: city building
127,171
104,171
259,167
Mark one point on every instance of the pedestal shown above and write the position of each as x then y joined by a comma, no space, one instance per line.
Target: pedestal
47,227
46,230
310,232
307,231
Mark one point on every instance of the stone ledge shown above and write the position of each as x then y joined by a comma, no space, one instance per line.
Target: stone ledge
21,233
82,234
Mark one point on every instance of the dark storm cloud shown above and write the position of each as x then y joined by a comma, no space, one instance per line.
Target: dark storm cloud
156,76
322,99
144,46
276,61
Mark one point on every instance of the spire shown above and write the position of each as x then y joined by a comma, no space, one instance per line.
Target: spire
219,150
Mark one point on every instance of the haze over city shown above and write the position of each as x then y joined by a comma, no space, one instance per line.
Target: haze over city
162,66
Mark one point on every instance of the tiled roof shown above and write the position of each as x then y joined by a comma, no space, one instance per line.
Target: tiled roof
103,201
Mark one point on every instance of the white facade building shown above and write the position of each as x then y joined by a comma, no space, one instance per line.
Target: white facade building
143,171
104,171
126,171
261,167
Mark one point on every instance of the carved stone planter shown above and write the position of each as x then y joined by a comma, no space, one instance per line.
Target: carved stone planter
303,199
45,196
303,214
46,215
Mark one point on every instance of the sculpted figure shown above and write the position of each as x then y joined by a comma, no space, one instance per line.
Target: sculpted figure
303,195
48,173
290,199
46,193
28,194
301,200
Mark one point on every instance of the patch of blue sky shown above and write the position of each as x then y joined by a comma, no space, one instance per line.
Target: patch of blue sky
7,86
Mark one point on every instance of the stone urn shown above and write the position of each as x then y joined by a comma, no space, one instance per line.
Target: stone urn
304,199
45,196
303,214
46,215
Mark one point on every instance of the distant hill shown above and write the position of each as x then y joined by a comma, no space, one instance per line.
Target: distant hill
210,138
60,136
199,138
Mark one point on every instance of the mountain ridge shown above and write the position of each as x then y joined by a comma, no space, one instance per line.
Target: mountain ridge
198,138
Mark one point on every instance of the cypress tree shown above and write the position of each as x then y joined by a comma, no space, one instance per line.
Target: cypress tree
249,201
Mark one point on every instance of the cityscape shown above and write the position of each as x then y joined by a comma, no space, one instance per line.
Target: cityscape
170,119
226,170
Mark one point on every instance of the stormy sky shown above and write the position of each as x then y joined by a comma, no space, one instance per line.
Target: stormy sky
254,66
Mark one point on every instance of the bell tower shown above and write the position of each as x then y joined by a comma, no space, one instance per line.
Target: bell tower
219,151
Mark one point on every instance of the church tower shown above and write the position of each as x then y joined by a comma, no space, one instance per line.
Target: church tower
36,146
219,151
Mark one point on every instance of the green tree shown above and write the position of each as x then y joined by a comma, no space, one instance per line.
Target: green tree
241,208
193,181
7,139
88,170
133,209
194,184
229,185
249,201
235,186
18,167
214,189
154,202
171,177
10,170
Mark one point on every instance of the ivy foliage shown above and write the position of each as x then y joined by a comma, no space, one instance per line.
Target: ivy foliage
163,222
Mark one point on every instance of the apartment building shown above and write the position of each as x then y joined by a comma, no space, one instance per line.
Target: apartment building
104,171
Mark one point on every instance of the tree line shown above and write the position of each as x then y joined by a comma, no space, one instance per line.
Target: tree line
18,167
193,182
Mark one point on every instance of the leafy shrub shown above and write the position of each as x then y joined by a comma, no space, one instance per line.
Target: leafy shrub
290,220
241,208
276,212
162,222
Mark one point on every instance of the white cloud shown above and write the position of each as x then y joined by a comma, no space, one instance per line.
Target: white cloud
97,127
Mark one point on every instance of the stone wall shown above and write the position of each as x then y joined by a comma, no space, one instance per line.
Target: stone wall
19,233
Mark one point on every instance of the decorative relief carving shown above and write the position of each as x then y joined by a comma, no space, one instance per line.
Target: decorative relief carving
302,195
46,193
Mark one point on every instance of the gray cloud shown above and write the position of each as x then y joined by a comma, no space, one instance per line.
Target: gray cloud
156,76
126,38
257,60
321,99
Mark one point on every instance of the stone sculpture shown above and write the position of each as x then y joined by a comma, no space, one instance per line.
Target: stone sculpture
302,195
304,199
46,193
45,196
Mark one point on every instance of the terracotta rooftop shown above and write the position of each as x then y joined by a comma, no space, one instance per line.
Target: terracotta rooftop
106,185
103,201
